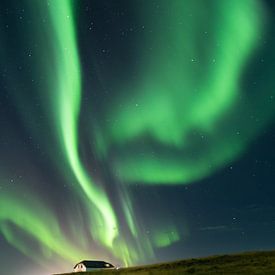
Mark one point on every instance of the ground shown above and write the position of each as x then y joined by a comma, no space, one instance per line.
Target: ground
245,263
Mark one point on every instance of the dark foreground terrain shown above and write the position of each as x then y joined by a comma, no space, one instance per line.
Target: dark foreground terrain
245,263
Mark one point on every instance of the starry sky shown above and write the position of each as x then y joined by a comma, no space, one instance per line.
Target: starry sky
135,131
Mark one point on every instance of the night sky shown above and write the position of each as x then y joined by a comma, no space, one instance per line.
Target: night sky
135,131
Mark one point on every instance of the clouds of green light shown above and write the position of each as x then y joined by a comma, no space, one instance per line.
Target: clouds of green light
164,238
179,123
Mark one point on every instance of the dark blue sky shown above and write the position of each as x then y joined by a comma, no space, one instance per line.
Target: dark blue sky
224,203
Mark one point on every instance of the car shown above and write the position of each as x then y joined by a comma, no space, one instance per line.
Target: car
87,265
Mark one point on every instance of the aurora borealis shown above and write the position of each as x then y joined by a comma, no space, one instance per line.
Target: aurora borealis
134,132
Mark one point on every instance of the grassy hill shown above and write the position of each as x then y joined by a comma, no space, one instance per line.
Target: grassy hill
245,263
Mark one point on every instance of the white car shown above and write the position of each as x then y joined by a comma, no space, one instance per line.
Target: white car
92,265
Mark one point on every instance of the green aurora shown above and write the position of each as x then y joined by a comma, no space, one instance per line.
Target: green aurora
188,95
179,122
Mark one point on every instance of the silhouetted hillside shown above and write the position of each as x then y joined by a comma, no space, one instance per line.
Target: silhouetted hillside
245,263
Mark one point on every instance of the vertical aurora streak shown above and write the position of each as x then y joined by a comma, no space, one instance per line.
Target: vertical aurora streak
68,104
